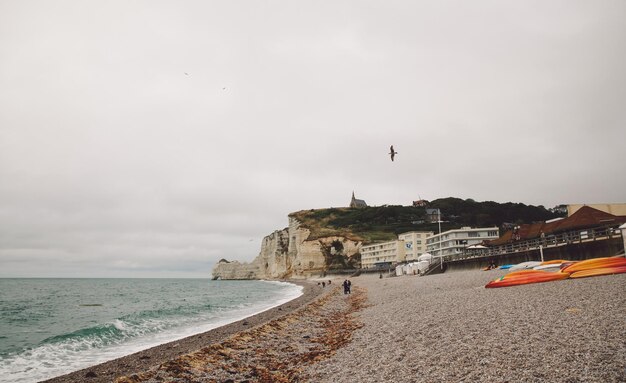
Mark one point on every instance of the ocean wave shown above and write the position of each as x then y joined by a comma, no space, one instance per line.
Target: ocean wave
169,320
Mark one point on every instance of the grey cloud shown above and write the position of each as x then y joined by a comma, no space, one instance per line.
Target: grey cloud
153,139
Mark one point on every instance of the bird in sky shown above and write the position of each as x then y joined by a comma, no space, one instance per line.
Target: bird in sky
392,153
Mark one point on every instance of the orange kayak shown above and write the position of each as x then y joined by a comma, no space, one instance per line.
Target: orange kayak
595,263
599,271
567,264
520,272
534,276
554,262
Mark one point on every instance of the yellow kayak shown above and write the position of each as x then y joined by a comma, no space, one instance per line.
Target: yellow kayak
599,271
595,263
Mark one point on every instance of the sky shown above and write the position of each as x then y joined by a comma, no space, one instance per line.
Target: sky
150,138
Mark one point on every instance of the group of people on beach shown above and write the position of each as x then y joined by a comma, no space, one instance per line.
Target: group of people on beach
346,286
323,284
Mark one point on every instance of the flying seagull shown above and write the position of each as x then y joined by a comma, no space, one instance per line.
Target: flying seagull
392,153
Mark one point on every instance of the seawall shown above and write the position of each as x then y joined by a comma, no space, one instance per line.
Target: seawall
573,252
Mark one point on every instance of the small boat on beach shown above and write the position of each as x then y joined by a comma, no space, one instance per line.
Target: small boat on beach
513,274
554,261
595,263
599,271
525,265
524,277
550,267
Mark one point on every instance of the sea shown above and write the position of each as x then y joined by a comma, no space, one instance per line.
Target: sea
50,327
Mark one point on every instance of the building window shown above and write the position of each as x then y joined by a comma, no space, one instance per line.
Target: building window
473,234
493,234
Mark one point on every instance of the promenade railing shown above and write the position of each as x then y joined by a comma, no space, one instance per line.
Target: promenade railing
553,240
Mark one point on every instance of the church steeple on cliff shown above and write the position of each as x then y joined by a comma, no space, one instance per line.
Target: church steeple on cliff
357,202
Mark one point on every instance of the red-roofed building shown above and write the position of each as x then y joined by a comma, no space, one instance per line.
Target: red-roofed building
584,218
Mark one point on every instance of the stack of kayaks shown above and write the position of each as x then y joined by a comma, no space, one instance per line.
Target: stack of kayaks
560,269
596,266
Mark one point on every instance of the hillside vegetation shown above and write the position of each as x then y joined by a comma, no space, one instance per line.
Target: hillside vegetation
384,223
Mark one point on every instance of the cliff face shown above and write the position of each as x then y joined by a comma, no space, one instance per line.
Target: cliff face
288,253
235,270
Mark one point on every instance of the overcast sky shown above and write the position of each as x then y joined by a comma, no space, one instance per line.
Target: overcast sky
152,138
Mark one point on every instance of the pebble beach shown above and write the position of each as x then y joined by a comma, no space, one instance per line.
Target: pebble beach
439,328
449,328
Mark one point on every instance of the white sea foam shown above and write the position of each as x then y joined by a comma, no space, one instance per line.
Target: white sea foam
120,325
54,359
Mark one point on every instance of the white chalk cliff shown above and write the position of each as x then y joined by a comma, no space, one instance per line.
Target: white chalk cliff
289,253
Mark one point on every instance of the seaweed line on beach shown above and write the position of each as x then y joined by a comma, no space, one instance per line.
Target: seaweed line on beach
273,352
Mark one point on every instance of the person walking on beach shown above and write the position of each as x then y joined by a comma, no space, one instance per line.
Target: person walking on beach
349,286
346,287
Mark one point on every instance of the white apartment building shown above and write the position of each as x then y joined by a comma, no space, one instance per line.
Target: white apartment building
453,242
381,255
414,244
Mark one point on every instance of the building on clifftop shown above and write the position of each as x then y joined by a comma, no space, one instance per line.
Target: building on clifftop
357,203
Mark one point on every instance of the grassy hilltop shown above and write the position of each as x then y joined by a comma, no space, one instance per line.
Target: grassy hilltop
384,223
